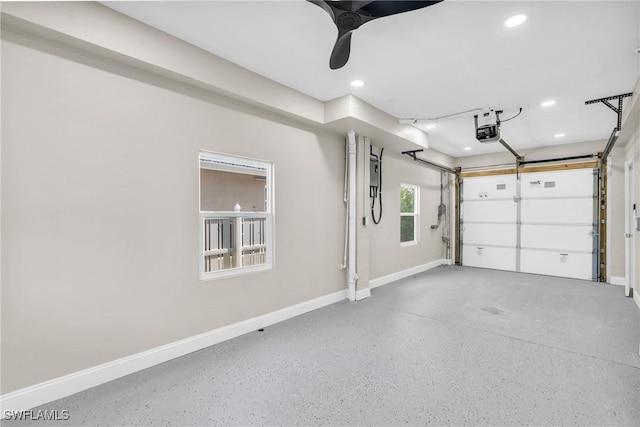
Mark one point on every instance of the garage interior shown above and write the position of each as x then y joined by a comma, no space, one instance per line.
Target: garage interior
211,215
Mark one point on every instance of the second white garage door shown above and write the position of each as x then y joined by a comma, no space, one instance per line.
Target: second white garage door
542,223
557,223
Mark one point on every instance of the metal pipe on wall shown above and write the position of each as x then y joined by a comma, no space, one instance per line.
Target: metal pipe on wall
352,276
345,198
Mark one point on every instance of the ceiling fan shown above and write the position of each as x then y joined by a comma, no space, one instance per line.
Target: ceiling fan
350,15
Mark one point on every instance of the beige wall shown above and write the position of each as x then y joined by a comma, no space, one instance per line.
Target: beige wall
100,212
386,254
632,152
615,213
628,149
100,208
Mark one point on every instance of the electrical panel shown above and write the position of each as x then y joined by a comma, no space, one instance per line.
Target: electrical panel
374,172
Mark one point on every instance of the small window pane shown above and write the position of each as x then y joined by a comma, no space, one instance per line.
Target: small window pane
222,191
407,227
407,199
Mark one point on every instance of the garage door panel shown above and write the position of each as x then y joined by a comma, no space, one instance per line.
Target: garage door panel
558,184
490,211
556,263
576,211
489,187
489,257
548,232
569,238
490,234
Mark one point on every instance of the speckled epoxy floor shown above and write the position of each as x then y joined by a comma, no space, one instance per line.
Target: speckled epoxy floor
450,346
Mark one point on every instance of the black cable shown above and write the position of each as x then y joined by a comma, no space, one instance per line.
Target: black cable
511,118
373,203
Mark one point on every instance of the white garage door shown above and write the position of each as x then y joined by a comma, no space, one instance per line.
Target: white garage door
557,223
489,215
542,223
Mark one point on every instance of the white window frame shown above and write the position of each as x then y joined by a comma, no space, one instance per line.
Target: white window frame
232,163
415,214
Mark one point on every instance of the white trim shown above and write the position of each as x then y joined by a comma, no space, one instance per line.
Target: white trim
620,281
629,213
380,281
409,243
363,293
67,385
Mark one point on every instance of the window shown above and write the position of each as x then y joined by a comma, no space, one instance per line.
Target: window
409,209
236,219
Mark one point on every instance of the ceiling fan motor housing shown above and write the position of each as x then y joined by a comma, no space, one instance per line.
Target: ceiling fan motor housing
348,21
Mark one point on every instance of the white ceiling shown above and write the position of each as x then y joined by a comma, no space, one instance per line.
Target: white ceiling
444,59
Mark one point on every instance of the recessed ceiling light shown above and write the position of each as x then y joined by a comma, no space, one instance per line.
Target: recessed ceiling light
514,21
357,83
467,148
431,126
548,103
558,135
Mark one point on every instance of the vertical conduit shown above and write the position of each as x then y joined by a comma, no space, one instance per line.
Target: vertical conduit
345,199
352,276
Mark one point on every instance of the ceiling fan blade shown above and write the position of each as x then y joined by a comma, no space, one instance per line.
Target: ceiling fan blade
378,9
350,15
341,51
350,6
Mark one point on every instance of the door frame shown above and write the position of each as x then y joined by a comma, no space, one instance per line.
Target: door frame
629,227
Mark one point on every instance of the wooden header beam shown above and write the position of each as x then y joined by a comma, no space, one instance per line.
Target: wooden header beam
531,169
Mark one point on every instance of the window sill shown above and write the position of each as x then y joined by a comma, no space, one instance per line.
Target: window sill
411,243
225,274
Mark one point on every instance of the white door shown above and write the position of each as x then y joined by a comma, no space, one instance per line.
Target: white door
557,223
489,229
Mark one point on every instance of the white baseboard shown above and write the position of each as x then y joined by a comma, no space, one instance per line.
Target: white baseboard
48,391
363,293
380,281
620,281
